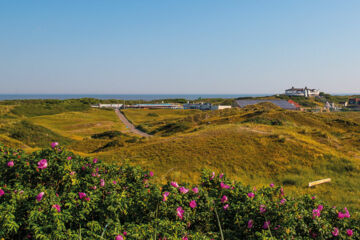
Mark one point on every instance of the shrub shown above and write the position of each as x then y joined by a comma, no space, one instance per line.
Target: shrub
107,135
55,194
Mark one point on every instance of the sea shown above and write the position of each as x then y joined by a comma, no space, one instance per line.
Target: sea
145,97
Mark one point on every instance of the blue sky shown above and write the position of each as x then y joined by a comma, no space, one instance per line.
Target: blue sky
173,47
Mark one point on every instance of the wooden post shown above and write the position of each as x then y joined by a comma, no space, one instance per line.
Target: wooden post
311,184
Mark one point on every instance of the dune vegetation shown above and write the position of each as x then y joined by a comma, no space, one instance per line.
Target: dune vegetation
56,194
255,145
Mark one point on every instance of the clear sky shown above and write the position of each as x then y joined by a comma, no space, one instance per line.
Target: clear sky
178,46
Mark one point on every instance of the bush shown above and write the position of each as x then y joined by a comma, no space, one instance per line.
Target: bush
83,198
107,135
35,135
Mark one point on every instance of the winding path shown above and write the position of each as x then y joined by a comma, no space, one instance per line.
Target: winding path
129,125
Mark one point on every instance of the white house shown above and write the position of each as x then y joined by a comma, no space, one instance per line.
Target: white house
220,107
113,105
303,92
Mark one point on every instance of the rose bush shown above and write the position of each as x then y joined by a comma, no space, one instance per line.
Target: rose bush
55,194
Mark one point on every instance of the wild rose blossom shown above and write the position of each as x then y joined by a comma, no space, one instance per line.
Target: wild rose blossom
1,192
349,232
95,160
212,176
102,182
151,173
266,225
195,190
251,195
82,195
180,212
250,223
316,213
183,190
224,199
165,196
335,232
193,204
282,201
69,158
54,144
262,208
185,238
224,186
119,237
174,184
272,185
226,206
10,164
320,207
40,196
42,164
344,215
57,207
114,182
221,176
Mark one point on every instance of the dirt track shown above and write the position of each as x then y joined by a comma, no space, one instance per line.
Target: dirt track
129,125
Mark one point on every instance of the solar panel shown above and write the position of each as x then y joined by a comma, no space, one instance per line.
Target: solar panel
281,103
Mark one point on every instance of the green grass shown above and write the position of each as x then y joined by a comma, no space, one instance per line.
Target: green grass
153,120
257,144
78,125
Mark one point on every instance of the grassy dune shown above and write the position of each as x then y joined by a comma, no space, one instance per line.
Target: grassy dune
257,145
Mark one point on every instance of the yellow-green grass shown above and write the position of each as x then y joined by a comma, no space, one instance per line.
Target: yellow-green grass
242,143
151,119
80,125
255,154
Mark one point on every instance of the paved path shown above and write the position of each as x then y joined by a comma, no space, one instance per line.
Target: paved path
129,125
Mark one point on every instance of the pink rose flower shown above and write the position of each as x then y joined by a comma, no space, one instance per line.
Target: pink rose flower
212,176
195,190
82,195
151,173
119,237
54,144
40,196
251,195
193,204
335,232
262,208
226,206
102,182
174,184
183,190
224,186
180,212
57,207
250,223
266,225
165,196
1,192
349,232
272,185
95,160
10,164
316,213
42,164
224,199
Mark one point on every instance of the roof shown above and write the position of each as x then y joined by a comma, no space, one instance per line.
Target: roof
280,103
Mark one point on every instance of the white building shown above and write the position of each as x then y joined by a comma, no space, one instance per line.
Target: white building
220,107
205,106
113,105
302,92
